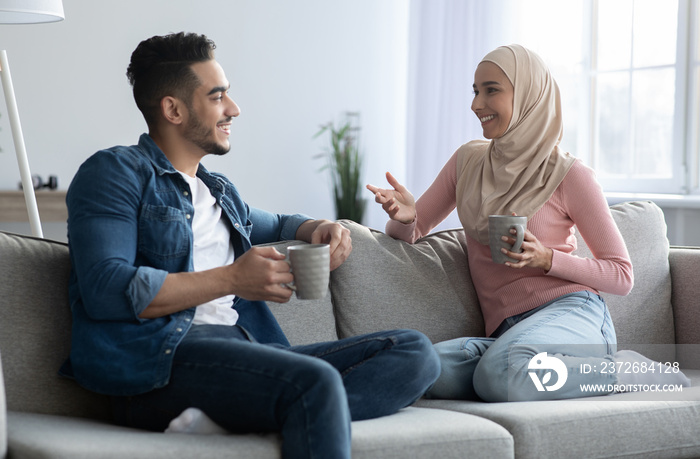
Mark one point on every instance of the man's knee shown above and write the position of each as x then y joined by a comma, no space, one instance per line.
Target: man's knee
413,339
420,352
314,386
320,377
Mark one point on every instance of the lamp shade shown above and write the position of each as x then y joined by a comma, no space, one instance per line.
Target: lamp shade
30,11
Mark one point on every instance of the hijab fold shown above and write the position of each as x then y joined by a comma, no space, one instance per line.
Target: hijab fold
519,171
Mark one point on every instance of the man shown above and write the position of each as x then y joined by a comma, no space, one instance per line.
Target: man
168,293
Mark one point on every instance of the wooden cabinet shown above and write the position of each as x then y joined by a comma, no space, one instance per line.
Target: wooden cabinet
52,206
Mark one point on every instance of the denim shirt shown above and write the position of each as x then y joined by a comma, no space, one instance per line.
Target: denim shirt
129,225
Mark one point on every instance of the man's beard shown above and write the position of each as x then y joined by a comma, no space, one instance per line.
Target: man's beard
200,135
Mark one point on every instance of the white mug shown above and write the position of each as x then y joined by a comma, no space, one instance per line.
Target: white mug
310,264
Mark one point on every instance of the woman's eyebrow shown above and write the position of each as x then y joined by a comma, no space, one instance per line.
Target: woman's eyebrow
487,83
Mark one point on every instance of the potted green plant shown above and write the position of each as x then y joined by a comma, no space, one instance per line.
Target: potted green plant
344,161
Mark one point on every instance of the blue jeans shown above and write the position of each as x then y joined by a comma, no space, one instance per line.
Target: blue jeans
576,329
309,393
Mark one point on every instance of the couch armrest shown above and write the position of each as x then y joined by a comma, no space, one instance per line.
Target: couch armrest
3,414
685,267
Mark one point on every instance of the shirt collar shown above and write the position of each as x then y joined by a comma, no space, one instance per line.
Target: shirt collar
155,155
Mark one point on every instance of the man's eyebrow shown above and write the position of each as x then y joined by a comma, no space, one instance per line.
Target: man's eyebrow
218,89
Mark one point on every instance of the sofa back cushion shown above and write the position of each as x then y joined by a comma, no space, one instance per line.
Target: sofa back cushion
387,284
36,328
644,318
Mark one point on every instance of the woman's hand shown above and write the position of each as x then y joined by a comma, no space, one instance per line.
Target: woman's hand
398,203
533,255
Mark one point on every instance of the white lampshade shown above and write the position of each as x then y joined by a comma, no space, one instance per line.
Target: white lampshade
30,11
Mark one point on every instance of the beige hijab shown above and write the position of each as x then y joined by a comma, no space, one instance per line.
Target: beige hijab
519,171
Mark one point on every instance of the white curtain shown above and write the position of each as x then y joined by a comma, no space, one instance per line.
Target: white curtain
448,38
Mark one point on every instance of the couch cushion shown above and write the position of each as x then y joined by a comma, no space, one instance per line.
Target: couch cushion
413,432
426,433
387,284
645,316
593,428
73,438
36,327
622,425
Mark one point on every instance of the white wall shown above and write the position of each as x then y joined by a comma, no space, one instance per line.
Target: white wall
292,65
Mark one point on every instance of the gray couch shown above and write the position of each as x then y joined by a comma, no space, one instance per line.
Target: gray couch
384,284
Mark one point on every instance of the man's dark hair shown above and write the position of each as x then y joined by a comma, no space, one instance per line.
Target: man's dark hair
161,66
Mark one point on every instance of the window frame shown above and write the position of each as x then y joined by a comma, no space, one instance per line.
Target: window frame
692,91
680,180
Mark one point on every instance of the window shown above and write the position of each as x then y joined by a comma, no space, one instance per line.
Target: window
692,127
636,72
629,73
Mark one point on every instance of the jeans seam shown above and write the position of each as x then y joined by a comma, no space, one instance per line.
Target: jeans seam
350,369
307,422
391,339
335,349
606,315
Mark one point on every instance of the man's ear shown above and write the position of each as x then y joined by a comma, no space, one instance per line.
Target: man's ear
172,109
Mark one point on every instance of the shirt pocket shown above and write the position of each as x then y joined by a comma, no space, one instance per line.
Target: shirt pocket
245,230
164,232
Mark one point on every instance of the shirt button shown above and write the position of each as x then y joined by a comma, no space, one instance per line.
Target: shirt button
188,216
168,351
178,330
237,225
186,193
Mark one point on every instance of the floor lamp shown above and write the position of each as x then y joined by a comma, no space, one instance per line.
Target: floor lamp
24,12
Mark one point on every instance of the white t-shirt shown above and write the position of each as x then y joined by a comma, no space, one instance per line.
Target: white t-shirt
212,248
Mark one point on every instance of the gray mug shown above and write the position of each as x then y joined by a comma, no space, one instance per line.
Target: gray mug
499,226
310,264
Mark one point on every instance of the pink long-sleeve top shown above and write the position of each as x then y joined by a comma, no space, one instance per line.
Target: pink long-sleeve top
503,291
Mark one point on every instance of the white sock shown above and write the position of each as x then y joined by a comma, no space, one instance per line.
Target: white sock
632,364
194,421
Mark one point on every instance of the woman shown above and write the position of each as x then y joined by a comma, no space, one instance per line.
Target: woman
545,307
